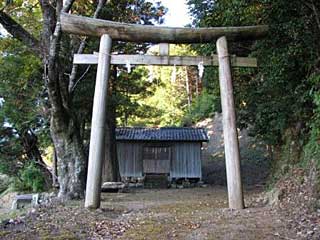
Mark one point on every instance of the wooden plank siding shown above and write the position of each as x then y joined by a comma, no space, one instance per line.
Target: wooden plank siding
130,159
185,158
156,159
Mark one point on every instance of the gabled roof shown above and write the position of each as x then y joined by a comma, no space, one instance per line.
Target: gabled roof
183,134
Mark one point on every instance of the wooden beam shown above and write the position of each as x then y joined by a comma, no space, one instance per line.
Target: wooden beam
231,144
155,34
97,138
165,60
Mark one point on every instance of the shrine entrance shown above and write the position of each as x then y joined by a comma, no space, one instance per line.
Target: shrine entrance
108,31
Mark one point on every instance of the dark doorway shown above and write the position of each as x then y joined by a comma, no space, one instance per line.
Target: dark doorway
156,160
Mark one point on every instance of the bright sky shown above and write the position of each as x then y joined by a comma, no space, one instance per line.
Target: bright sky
3,31
177,15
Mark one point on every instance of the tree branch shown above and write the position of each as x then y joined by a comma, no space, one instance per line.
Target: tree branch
67,5
18,32
80,78
316,14
311,5
49,21
56,84
72,79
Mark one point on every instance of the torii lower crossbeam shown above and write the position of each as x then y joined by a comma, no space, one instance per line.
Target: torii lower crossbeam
165,60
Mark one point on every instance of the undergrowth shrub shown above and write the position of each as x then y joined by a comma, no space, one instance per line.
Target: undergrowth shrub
4,182
29,179
309,159
311,156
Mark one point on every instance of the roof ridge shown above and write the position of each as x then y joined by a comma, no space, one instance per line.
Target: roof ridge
160,128
161,134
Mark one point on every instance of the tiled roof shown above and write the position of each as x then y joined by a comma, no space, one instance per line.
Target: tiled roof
162,134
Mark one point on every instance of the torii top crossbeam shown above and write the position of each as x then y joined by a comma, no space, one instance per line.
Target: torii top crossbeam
156,34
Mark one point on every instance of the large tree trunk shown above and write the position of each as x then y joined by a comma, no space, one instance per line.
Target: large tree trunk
64,128
110,171
71,159
54,170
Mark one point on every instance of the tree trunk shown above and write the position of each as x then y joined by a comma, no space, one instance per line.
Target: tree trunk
110,171
71,160
64,128
188,89
197,86
54,170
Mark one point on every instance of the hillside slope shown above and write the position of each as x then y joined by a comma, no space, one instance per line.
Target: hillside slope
255,162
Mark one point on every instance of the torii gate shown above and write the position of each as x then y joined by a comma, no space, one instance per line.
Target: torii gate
108,31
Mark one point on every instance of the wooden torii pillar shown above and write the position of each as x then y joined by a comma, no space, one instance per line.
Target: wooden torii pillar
230,135
97,137
108,30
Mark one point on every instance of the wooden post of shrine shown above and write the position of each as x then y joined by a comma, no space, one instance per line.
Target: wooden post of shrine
97,138
231,143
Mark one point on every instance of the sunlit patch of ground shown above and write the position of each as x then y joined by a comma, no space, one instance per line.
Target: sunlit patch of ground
200,213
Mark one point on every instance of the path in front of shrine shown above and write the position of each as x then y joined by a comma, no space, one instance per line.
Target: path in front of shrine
190,213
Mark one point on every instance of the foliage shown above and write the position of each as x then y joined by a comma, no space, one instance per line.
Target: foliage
166,100
162,97
20,88
202,107
313,146
277,96
4,183
157,102
26,12
29,179
311,156
20,92
132,88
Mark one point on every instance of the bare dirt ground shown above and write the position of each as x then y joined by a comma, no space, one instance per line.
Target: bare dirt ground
190,213
194,213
